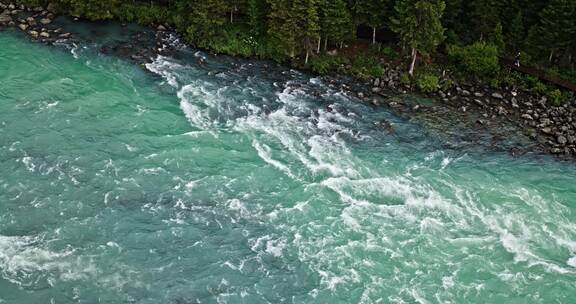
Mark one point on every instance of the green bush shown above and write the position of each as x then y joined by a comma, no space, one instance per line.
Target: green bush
553,73
237,40
480,58
321,64
365,67
568,74
427,83
539,87
405,79
143,14
389,53
496,83
324,64
447,84
556,97
509,78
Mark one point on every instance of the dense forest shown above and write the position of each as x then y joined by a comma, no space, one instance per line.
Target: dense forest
422,31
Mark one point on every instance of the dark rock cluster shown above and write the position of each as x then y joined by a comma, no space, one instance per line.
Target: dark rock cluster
505,114
36,22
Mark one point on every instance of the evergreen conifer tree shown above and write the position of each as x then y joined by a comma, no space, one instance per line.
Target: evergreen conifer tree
557,29
336,21
206,20
517,33
418,23
371,13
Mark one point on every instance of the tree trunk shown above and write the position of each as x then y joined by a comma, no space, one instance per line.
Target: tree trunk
319,45
413,63
551,56
374,35
232,16
307,55
325,43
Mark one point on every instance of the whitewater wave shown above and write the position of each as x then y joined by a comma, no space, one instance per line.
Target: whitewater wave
411,223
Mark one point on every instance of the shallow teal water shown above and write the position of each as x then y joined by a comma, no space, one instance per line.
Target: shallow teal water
241,182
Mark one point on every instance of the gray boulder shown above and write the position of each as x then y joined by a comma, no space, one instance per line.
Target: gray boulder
497,95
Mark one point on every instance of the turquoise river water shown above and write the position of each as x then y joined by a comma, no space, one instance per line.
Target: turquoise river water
244,182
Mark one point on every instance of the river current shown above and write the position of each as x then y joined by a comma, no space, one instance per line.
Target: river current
237,181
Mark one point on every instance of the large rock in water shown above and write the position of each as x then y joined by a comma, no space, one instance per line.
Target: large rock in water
45,21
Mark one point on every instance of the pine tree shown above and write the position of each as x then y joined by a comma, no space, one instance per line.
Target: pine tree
482,17
498,38
452,13
235,6
206,19
293,23
372,13
557,29
419,26
257,11
336,21
306,14
282,27
517,33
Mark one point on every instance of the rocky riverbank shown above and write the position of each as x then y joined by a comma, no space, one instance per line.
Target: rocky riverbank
516,120
513,120
37,22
